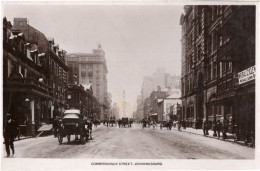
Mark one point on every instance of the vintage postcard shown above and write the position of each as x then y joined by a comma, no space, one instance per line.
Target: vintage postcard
136,85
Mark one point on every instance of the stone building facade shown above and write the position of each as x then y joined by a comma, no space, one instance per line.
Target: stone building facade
90,68
218,43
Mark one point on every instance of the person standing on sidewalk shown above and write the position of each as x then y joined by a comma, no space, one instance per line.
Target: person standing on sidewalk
9,134
205,127
219,127
196,124
224,129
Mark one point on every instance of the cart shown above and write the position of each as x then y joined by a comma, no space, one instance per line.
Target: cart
73,123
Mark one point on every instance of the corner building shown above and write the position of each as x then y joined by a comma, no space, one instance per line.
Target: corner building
34,76
218,67
90,69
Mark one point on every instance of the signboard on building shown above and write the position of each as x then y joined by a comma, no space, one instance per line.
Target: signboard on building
246,75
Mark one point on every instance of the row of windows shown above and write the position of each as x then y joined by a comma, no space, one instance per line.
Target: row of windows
214,71
219,110
89,67
211,110
58,71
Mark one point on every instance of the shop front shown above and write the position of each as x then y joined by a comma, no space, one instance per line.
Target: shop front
26,101
244,118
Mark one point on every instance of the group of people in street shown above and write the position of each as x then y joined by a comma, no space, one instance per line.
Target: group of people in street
148,123
220,128
125,122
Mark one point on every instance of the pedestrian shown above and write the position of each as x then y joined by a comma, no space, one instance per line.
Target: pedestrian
9,134
95,123
179,124
224,129
144,123
196,124
89,125
55,126
219,127
204,127
119,123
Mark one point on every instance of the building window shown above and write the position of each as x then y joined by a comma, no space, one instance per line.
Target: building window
220,40
83,80
223,67
209,44
214,42
229,66
214,13
214,69
198,53
209,71
219,9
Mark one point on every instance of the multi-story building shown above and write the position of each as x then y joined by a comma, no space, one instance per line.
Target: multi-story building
147,87
164,107
82,98
53,59
28,92
90,68
172,82
159,78
218,49
152,104
109,103
140,108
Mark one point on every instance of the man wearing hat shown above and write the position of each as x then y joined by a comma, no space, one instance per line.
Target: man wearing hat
9,134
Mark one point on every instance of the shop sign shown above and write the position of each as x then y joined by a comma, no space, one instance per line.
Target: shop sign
246,75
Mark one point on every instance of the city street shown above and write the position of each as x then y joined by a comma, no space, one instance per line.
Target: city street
135,142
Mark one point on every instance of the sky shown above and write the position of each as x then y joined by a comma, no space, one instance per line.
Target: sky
137,39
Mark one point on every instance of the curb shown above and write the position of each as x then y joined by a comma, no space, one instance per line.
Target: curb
226,140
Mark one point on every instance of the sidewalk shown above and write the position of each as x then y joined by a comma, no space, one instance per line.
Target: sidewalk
230,137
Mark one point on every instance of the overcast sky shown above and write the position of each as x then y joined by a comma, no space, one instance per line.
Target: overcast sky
136,39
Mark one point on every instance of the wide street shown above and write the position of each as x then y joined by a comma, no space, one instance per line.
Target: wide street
135,142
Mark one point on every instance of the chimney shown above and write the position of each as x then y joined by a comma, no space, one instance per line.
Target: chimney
20,21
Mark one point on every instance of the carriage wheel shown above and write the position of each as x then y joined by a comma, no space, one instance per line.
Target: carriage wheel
68,137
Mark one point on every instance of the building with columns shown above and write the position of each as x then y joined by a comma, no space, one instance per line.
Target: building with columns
90,68
218,66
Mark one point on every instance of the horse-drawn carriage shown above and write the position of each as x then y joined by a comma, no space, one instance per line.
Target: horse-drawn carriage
167,124
112,121
73,123
125,122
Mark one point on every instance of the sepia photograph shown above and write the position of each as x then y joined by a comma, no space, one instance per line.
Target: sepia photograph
119,85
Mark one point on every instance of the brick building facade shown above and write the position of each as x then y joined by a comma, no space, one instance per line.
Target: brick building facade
34,75
218,42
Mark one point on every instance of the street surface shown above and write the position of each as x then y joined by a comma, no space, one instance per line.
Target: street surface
135,142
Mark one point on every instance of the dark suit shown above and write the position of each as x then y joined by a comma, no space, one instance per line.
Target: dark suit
9,135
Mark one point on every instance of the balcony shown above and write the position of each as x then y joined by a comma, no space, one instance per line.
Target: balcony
27,85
